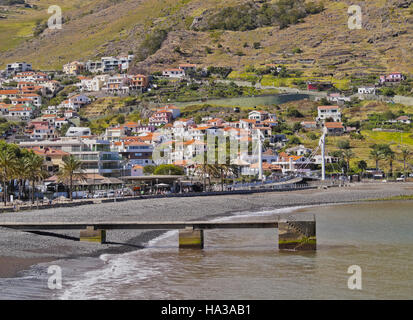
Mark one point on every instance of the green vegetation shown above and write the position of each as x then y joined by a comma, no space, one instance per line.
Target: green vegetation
21,165
168,169
249,16
151,44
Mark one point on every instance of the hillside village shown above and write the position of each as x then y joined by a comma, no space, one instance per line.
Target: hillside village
30,119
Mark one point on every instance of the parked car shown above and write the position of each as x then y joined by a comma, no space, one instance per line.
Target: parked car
111,194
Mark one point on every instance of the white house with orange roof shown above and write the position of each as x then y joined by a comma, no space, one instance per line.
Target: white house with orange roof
137,170
4,108
22,101
9,93
215,122
75,102
50,118
36,99
60,122
392,78
43,132
247,123
20,111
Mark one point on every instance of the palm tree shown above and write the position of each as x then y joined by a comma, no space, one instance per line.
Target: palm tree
362,165
72,168
8,166
21,173
35,172
390,156
405,154
348,155
376,155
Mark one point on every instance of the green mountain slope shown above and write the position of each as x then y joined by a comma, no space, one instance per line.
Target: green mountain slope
95,28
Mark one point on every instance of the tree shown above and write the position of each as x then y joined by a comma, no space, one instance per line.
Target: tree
169,169
379,152
34,167
72,168
405,154
21,173
376,156
390,156
7,165
362,165
348,155
149,169
343,144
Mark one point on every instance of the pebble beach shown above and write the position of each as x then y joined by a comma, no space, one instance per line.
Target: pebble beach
19,250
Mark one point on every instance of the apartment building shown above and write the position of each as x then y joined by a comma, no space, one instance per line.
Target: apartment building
16,67
94,154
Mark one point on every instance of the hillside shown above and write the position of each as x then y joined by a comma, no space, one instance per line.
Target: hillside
95,28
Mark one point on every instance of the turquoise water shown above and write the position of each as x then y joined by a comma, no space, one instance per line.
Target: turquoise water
246,264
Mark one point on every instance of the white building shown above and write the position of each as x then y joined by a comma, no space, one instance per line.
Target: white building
78,132
367,90
329,112
16,67
93,84
173,73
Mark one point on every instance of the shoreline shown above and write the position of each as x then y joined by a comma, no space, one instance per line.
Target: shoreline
21,250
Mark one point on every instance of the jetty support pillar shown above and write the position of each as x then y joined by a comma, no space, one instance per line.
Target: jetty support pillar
190,238
297,235
92,235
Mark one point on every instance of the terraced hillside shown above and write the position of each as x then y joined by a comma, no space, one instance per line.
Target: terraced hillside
95,28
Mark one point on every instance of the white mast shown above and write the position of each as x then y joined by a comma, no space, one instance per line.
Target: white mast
260,175
323,154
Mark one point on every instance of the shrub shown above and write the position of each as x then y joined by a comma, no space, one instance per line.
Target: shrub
151,44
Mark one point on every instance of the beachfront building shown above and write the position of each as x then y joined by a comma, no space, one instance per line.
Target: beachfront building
94,154
53,159
135,152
